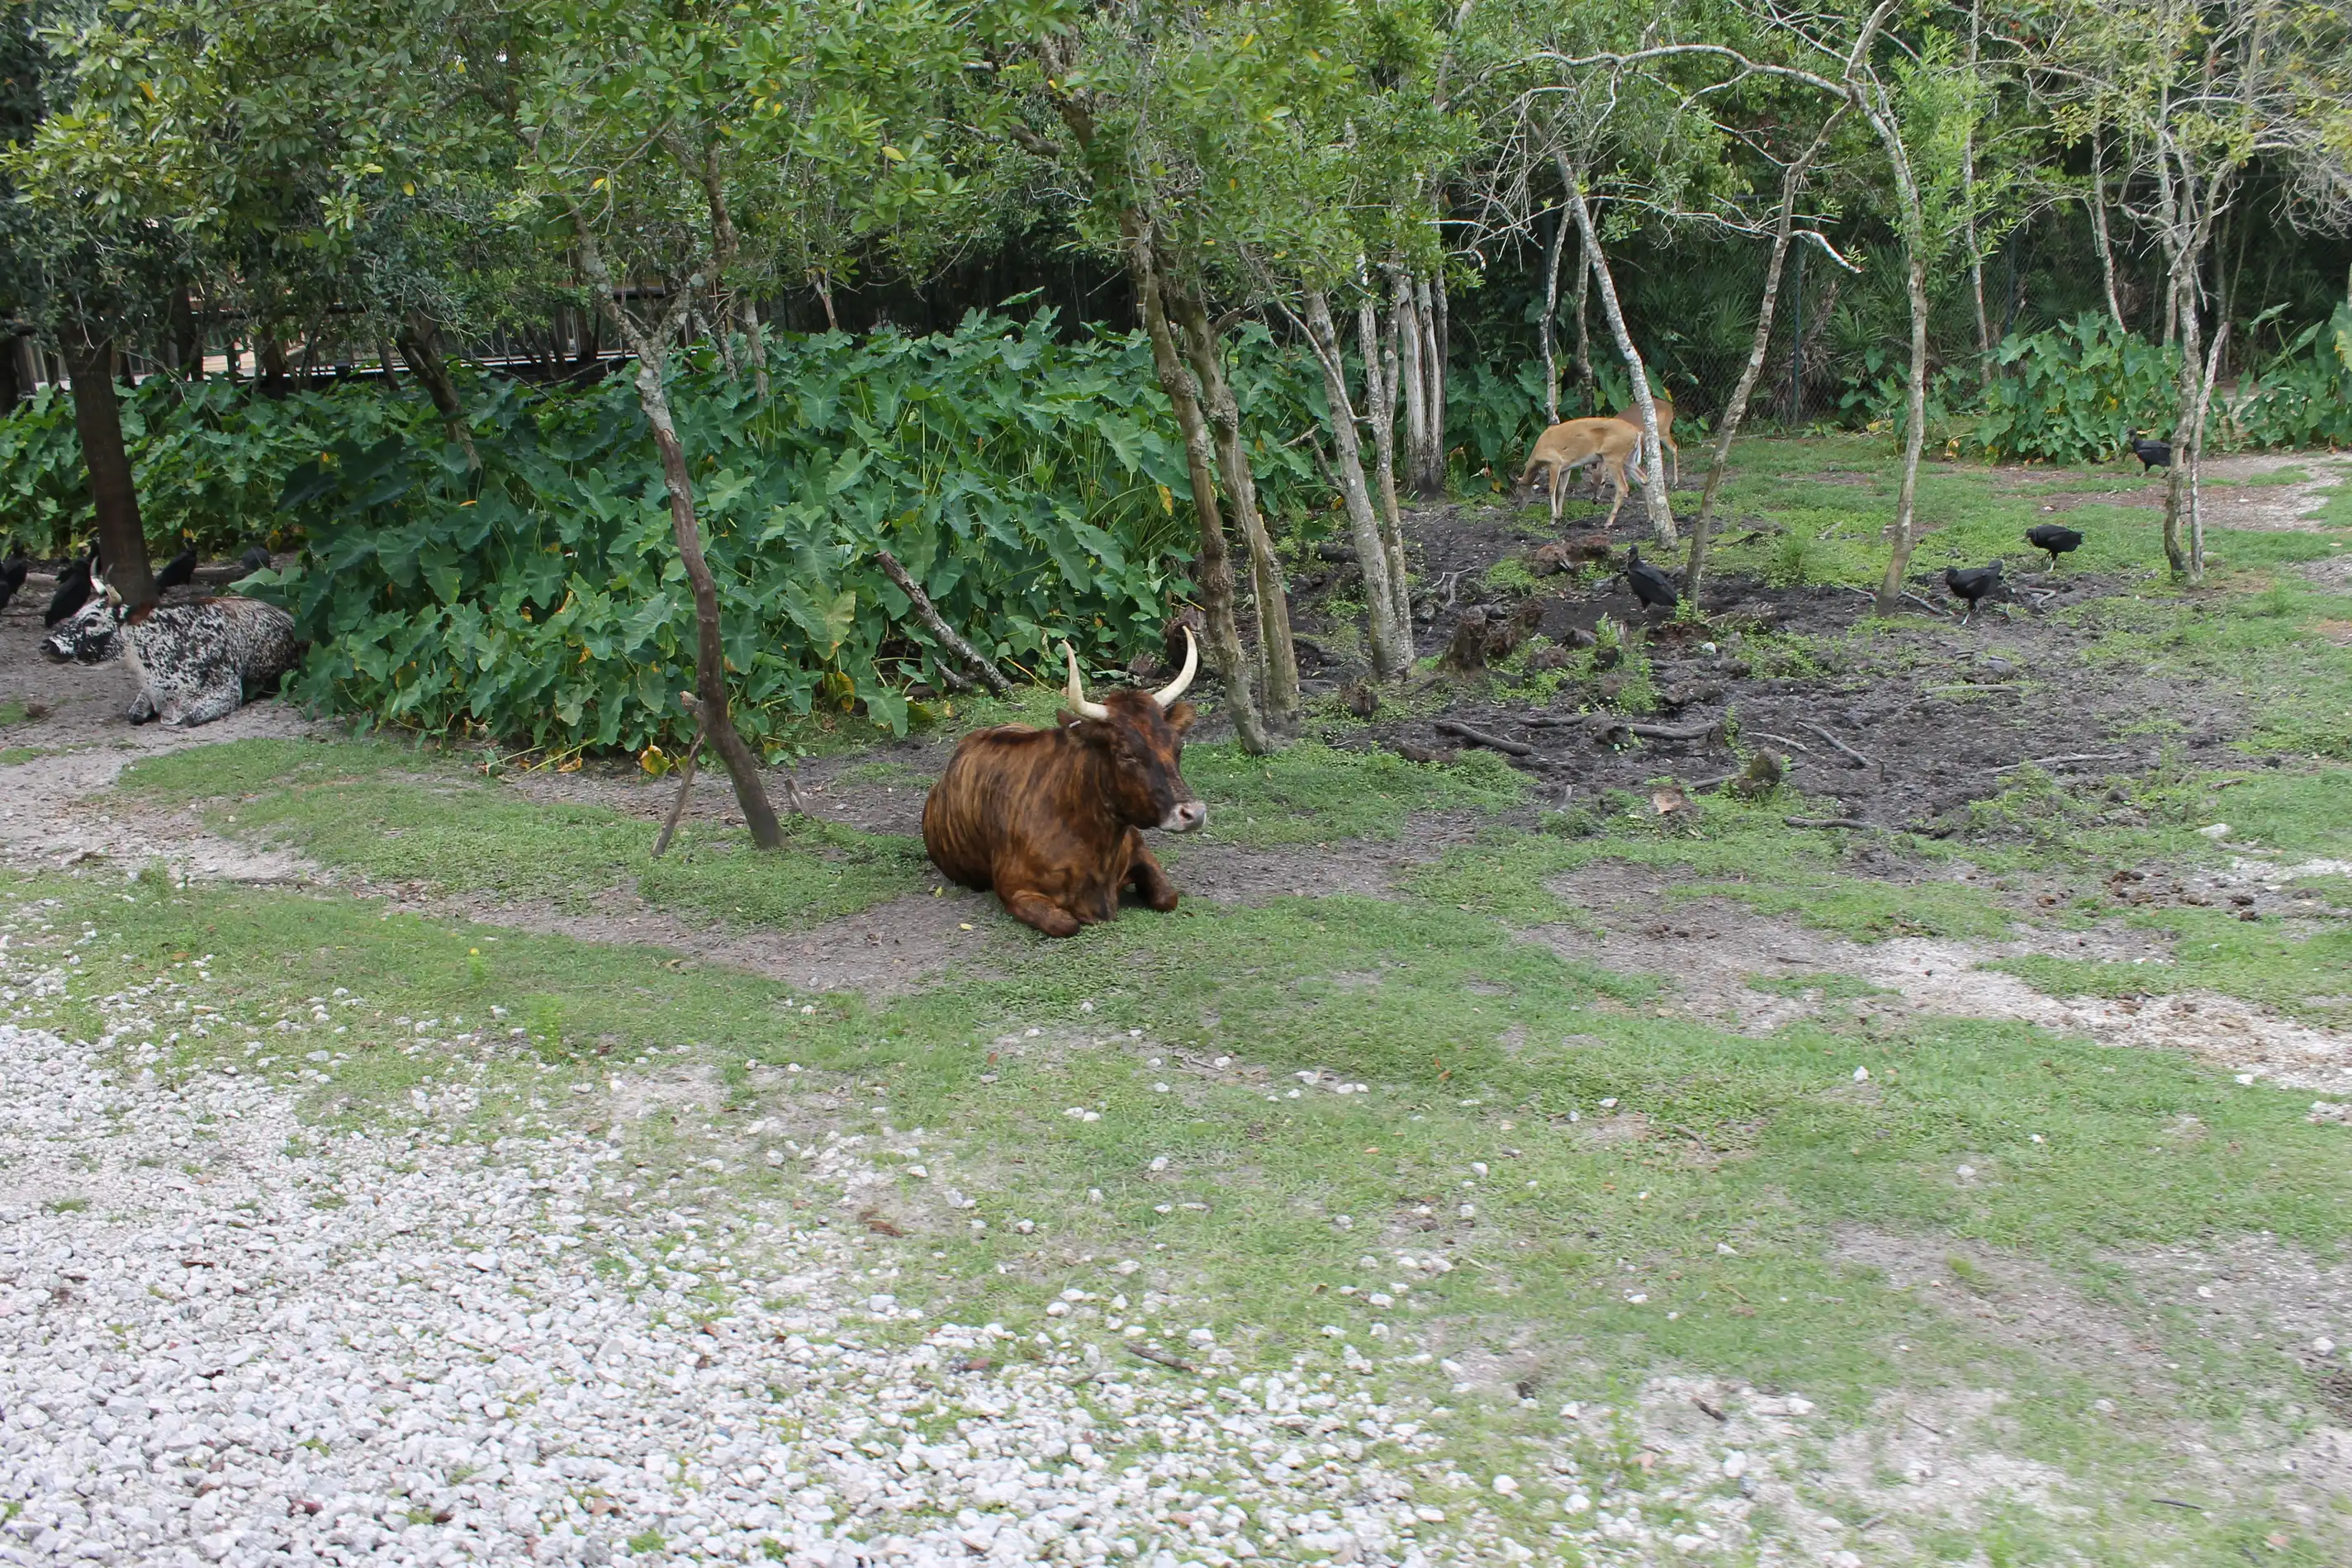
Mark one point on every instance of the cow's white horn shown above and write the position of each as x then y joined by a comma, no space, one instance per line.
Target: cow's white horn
1176,688
1076,691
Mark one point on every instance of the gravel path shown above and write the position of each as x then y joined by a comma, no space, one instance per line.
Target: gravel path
227,1336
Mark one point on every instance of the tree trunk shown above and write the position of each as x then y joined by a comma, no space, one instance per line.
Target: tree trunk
187,342
711,654
2197,454
1549,333
1968,200
1392,643
270,367
97,420
1583,322
1736,410
1653,476
1378,338
710,650
1914,402
1411,386
1216,573
420,341
1199,337
2099,232
1429,458
1441,352
13,389
383,363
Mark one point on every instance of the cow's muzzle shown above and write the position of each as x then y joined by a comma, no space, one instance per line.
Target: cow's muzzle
1184,817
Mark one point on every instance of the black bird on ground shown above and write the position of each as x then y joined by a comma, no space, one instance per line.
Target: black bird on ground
255,558
178,573
2058,541
2151,453
1972,583
1653,588
73,587
12,577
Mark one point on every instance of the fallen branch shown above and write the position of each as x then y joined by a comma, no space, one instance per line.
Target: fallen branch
1480,737
1777,739
685,779
1924,604
2072,757
936,624
1160,1358
1971,686
1666,732
1859,759
1833,822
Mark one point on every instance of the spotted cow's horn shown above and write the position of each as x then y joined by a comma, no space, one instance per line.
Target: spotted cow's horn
1176,688
1076,691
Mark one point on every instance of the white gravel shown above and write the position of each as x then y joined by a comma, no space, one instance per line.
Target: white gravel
227,1336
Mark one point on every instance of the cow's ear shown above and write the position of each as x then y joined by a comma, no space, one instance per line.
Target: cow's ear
1180,715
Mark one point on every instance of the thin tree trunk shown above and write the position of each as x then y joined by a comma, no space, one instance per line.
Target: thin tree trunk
2190,235
2099,232
269,365
1378,337
187,340
1968,200
1280,653
710,650
1392,643
2197,454
1654,478
1551,332
420,341
1429,457
1409,385
1736,410
383,363
97,420
1914,400
1216,572
1440,358
1583,321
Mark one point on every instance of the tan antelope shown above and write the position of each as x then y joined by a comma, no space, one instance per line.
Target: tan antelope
1666,407
1568,446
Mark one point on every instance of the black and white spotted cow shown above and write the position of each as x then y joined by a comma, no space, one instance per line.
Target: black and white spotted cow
195,662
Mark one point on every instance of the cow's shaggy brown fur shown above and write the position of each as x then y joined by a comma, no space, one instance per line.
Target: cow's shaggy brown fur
1050,819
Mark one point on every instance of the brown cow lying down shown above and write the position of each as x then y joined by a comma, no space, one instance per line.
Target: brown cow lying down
1049,818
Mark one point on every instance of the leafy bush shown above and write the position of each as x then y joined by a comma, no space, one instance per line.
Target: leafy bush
2303,396
2075,392
1031,484
209,458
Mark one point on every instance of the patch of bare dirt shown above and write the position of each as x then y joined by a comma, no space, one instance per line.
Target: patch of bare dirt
1707,949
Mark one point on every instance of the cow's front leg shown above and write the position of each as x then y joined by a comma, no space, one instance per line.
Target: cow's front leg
1034,908
207,702
143,708
1151,882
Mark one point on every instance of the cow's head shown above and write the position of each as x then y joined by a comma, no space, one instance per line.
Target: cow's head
1142,735
86,637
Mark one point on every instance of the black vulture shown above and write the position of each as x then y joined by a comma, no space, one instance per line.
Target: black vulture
73,587
1972,583
178,573
1653,588
12,577
254,558
2151,453
2057,540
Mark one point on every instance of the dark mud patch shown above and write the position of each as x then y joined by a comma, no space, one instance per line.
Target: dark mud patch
1942,713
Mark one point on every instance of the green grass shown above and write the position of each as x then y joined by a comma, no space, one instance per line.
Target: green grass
1629,1149
1315,793
12,711
15,755
397,816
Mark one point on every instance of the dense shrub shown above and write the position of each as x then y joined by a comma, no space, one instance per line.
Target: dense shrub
2303,396
2075,392
1032,484
209,458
